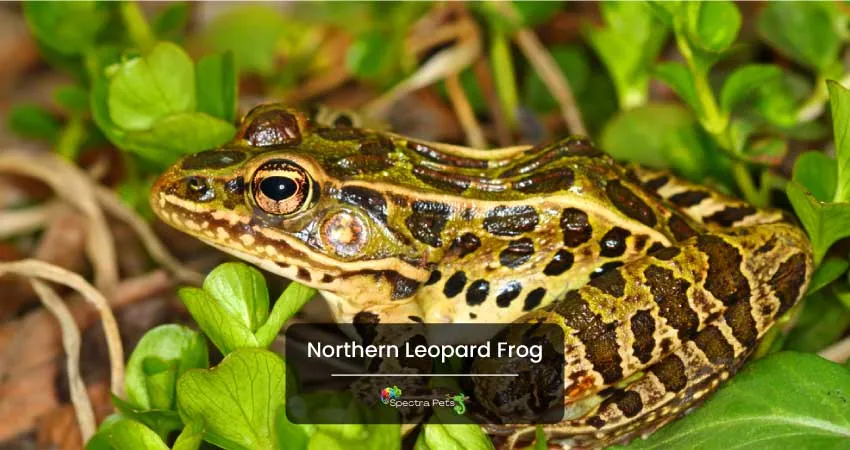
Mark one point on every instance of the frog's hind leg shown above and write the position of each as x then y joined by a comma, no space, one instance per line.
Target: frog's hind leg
665,391
702,204
741,280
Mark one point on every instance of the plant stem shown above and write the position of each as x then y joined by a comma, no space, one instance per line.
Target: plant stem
717,124
746,185
503,73
137,26
713,120
71,138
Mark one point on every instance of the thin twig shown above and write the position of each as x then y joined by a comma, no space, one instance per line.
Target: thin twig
465,114
552,76
112,205
25,221
40,269
71,343
14,365
548,70
448,62
445,63
73,185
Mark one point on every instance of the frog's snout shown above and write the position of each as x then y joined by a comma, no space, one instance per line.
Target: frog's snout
175,188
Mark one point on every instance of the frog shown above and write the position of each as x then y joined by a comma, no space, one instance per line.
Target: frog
663,287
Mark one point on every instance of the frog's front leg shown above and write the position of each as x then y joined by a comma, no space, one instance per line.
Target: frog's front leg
391,322
659,333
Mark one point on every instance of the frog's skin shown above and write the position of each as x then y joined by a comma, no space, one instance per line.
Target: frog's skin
663,287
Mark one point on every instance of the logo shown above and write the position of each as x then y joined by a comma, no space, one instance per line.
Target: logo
459,407
390,393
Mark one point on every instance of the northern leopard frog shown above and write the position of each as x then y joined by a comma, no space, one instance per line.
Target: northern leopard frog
663,287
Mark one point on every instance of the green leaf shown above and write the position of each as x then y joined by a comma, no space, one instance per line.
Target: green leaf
100,440
371,55
73,98
190,438
241,290
291,435
598,102
679,78
819,29
828,271
254,34
824,222
667,134
822,321
744,81
162,421
777,99
629,25
534,13
178,349
713,25
226,331
358,426
146,89
216,83
290,301
573,62
839,102
438,435
667,11
171,21
237,400
34,122
841,291
786,400
233,307
818,173
69,28
177,135
127,434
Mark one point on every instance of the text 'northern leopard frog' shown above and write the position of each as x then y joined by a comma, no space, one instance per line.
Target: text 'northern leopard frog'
663,287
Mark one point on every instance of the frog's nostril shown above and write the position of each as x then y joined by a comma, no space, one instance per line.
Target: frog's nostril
195,183
198,189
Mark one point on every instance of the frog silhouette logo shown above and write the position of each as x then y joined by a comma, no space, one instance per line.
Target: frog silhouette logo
390,393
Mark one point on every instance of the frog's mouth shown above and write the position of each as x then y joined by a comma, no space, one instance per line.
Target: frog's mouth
234,234
267,248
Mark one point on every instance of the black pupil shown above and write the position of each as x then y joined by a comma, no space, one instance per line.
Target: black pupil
278,188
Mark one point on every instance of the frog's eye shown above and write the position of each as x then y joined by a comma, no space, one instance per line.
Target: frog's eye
282,187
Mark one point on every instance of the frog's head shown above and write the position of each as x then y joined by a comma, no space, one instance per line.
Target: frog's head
278,196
